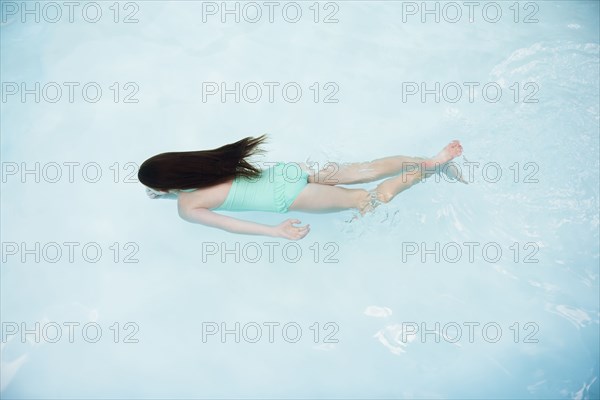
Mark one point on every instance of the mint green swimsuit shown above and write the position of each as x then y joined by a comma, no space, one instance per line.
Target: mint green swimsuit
274,190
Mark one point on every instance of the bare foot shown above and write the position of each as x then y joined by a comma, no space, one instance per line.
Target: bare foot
452,150
367,206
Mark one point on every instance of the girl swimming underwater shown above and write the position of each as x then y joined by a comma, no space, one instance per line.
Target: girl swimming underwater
224,179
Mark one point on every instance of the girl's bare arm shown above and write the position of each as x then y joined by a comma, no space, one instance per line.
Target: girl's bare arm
207,217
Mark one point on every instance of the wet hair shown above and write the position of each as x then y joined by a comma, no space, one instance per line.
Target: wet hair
204,168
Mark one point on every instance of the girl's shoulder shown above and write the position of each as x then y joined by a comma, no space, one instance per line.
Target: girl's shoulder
209,197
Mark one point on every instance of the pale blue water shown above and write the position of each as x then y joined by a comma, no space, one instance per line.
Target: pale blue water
377,288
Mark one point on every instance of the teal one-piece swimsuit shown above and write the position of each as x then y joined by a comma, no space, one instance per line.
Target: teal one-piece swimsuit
274,190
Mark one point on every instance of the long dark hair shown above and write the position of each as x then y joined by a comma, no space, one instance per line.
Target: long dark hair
198,169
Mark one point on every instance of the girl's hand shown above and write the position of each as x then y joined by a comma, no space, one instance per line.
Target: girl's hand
288,231
154,194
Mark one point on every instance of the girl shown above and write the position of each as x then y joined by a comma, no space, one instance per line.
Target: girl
223,179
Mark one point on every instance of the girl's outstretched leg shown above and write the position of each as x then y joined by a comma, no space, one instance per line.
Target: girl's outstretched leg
363,172
390,188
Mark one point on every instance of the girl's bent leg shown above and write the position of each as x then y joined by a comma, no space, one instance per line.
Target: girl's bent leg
319,198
